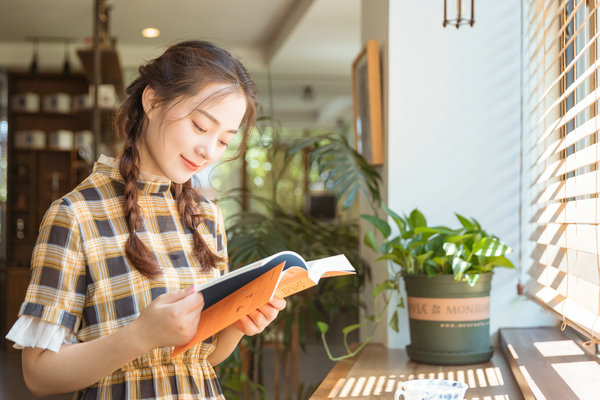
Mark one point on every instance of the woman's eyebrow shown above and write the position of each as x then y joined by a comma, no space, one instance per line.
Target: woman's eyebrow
213,119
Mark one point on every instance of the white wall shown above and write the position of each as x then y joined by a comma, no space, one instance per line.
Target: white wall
452,113
374,25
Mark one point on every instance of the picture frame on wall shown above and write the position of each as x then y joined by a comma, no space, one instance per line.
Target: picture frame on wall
366,92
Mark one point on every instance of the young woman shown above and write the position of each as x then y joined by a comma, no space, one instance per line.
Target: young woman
116,260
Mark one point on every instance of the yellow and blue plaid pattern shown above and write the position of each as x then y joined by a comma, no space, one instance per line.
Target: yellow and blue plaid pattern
82,279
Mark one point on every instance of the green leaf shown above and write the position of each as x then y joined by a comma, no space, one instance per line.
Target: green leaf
465,222
379,223
430,269
500,261
397,218
459,238
477,225
459,266
381,287
349,200
323,327
472,279
401,303
370,241
441,261
351,328
423,257
451,249
426,230
394,321
490,247
417,218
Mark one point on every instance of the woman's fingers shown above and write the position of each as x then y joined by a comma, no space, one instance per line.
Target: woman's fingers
278,303
247,326
193,302
171,297
172,319
267,313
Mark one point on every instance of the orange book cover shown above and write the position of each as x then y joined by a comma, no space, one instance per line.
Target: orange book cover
234,295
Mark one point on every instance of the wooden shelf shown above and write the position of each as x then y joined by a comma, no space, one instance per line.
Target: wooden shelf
35,172
110,67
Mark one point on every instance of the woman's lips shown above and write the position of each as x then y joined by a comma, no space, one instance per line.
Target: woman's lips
189,165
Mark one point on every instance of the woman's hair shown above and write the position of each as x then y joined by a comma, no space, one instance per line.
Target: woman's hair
181,72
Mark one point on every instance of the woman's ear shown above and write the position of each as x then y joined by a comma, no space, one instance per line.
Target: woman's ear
148,99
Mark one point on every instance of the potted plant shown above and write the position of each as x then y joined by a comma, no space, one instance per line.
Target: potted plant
447,275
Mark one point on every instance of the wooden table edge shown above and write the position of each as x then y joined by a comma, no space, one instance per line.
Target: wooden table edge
339,371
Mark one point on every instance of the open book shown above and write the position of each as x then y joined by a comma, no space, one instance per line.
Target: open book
237,293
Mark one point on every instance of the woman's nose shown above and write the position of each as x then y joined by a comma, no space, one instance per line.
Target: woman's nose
207,149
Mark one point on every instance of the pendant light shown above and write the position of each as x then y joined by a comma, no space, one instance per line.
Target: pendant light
34,67
66,70
457,13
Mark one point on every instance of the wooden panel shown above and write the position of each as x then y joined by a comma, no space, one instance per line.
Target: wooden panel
551,364
378,371
17,279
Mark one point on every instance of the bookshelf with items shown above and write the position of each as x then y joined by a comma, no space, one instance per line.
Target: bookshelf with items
50,150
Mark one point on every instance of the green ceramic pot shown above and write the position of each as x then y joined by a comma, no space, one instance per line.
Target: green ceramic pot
449,320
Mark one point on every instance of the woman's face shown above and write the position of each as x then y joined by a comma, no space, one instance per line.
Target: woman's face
183,138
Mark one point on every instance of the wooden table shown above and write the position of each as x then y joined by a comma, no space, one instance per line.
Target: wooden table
376,372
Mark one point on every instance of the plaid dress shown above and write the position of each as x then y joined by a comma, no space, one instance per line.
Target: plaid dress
82,279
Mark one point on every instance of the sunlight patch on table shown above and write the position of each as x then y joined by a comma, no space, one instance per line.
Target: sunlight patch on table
557,348
582,377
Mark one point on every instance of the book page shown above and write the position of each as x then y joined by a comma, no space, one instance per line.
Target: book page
329,266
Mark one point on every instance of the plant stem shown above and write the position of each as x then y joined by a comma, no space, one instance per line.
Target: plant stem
352,353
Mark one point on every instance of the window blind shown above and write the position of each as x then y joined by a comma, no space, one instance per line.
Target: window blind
562,153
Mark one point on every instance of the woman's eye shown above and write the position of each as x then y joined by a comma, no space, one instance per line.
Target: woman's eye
224,143
198,127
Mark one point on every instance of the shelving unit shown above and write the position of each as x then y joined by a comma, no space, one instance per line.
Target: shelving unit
37,176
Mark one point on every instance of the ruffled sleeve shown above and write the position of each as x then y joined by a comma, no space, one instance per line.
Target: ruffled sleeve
34,332
57,290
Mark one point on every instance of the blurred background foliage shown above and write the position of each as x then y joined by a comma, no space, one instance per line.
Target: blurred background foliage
263,196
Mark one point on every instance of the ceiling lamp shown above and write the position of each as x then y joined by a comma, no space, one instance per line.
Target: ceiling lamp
150,32
458,13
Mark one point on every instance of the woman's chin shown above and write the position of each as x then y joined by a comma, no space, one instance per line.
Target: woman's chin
180,180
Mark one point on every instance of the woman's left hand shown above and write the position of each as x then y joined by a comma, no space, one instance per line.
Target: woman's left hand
257,320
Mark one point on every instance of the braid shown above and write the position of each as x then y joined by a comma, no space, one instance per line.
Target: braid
187,198
130,119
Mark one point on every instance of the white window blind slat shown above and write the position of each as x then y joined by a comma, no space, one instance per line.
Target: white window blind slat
576,263
580,185
582,53
582,158
569,115
585,211
579,290
553,57
571,89
572,313
563,155
579,237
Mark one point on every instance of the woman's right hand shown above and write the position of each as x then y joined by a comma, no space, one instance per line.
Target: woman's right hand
171,319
